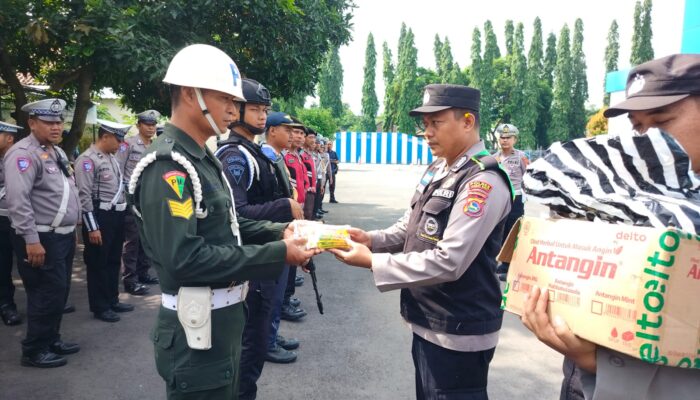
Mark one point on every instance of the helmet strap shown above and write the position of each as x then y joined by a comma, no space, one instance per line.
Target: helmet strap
206,113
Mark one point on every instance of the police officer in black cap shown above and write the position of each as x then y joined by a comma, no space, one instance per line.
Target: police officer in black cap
259,195
103,202
442,253
8,308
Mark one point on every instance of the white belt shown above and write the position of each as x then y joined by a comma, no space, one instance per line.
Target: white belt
109,206
220,298
518,192
59,229
4,212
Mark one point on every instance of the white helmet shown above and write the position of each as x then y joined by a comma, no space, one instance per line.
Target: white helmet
205,67
201,66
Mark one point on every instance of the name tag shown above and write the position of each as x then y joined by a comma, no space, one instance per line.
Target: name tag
446,193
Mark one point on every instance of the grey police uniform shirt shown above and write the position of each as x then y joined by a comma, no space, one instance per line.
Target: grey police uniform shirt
3,191
514,166
463,239
98,177
35,183
621,377
129,154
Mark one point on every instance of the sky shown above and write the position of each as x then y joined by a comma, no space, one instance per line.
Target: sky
456,19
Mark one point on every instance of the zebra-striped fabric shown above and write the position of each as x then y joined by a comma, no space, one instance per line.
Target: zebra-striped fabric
637,179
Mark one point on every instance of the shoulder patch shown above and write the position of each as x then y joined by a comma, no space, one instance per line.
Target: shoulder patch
87,165
123,146
23,163
181,209
236,171
474,206
480,187
176,181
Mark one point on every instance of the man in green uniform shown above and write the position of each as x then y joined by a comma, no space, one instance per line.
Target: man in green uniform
193,237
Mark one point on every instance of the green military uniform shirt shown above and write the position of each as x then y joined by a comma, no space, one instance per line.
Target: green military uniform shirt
185,250
189,251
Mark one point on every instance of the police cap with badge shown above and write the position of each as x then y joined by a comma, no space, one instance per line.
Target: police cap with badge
50,110
507,130
9,129
149,117
438,97
659,83
115,128
278,118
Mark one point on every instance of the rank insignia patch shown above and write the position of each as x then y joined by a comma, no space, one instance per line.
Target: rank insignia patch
23,163
181,209
176,181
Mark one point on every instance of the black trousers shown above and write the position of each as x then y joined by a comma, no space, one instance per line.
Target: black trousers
516,212
104,262
7,288
47,288
331,187
443,374
136,263
319,197
291,285
261,301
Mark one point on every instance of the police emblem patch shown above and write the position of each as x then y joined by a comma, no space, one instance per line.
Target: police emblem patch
55,106
236,171
181,209
431,226
176,181
87,166
123,147
636,86
474,206
426,97
480,188
23,163
448,182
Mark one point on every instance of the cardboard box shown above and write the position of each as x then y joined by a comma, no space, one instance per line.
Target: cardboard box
632,289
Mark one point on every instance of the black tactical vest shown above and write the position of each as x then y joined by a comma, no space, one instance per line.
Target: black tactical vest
471,304
266,188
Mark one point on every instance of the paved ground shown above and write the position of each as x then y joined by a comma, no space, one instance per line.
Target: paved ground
359,349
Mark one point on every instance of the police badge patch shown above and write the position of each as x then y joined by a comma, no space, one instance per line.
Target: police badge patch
431,226
23,163
87,166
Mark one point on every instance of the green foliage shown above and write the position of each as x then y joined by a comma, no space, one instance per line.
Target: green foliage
320,119
409,93
351,122
388,74
579,91
289,105
370,104
127,44
491,103
561,103
509,36
550,59
476,58
539,87
642,49
524,89
612,52
330,85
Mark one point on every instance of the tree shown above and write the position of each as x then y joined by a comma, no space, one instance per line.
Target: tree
82,46
409,93
550,59
289,105
642,49
538,85
597,124
437,52
579,89
509,36
330,84
612,52
489,105
524,91
388,74
476,58
561,103
319,119
370,104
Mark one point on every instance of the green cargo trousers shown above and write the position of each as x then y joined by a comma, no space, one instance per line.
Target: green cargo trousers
200,374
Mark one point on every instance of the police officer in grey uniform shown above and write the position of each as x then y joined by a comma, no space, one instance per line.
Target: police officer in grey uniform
8,308
103,202
136,264
441,254
44,208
